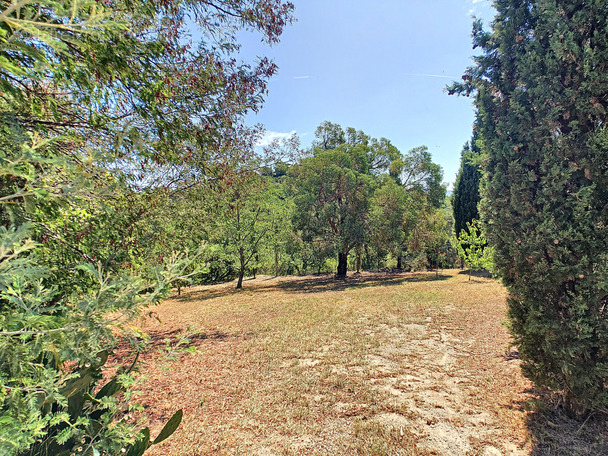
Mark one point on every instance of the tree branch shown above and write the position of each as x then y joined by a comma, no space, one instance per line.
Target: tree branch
34,332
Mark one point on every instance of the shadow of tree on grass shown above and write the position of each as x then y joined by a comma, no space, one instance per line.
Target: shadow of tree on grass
164,341
329,283
160,338
313,284
554,433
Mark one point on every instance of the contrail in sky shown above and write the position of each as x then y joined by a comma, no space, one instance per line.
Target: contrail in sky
432,75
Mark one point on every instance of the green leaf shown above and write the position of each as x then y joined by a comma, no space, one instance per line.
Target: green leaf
141,445
170,427
86,376
109,389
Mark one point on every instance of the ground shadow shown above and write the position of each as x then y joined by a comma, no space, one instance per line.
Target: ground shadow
313,284
330,283
190,294
165,341
481,273
553,432
160,338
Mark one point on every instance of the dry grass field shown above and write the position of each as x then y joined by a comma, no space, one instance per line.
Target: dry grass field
378,364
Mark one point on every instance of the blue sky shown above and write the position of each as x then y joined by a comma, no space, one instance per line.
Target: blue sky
380,67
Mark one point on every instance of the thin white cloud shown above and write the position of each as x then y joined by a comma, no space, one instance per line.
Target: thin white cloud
431,75
269,136
301,77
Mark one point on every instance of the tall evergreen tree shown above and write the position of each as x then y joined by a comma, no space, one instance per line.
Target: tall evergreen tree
540,89
466,188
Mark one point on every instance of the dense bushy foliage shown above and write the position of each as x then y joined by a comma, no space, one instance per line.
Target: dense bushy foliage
472,248
350,201
540,87
333,195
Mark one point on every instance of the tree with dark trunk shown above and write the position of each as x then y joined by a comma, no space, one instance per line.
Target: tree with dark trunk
333,190
242,266
342,264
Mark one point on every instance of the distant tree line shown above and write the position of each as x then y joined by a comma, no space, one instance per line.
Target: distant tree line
348,202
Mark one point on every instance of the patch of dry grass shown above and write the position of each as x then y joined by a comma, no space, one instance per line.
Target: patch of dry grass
379,364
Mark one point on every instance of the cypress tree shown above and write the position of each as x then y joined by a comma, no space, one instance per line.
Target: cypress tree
541,88
466,188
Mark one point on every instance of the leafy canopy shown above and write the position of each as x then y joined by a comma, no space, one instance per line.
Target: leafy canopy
100,101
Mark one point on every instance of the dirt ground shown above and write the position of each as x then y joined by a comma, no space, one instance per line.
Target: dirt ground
378,364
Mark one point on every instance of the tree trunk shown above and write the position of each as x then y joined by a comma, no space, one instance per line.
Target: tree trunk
276,262
399,262
342,265
573,407
358,261
239,284
255,269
